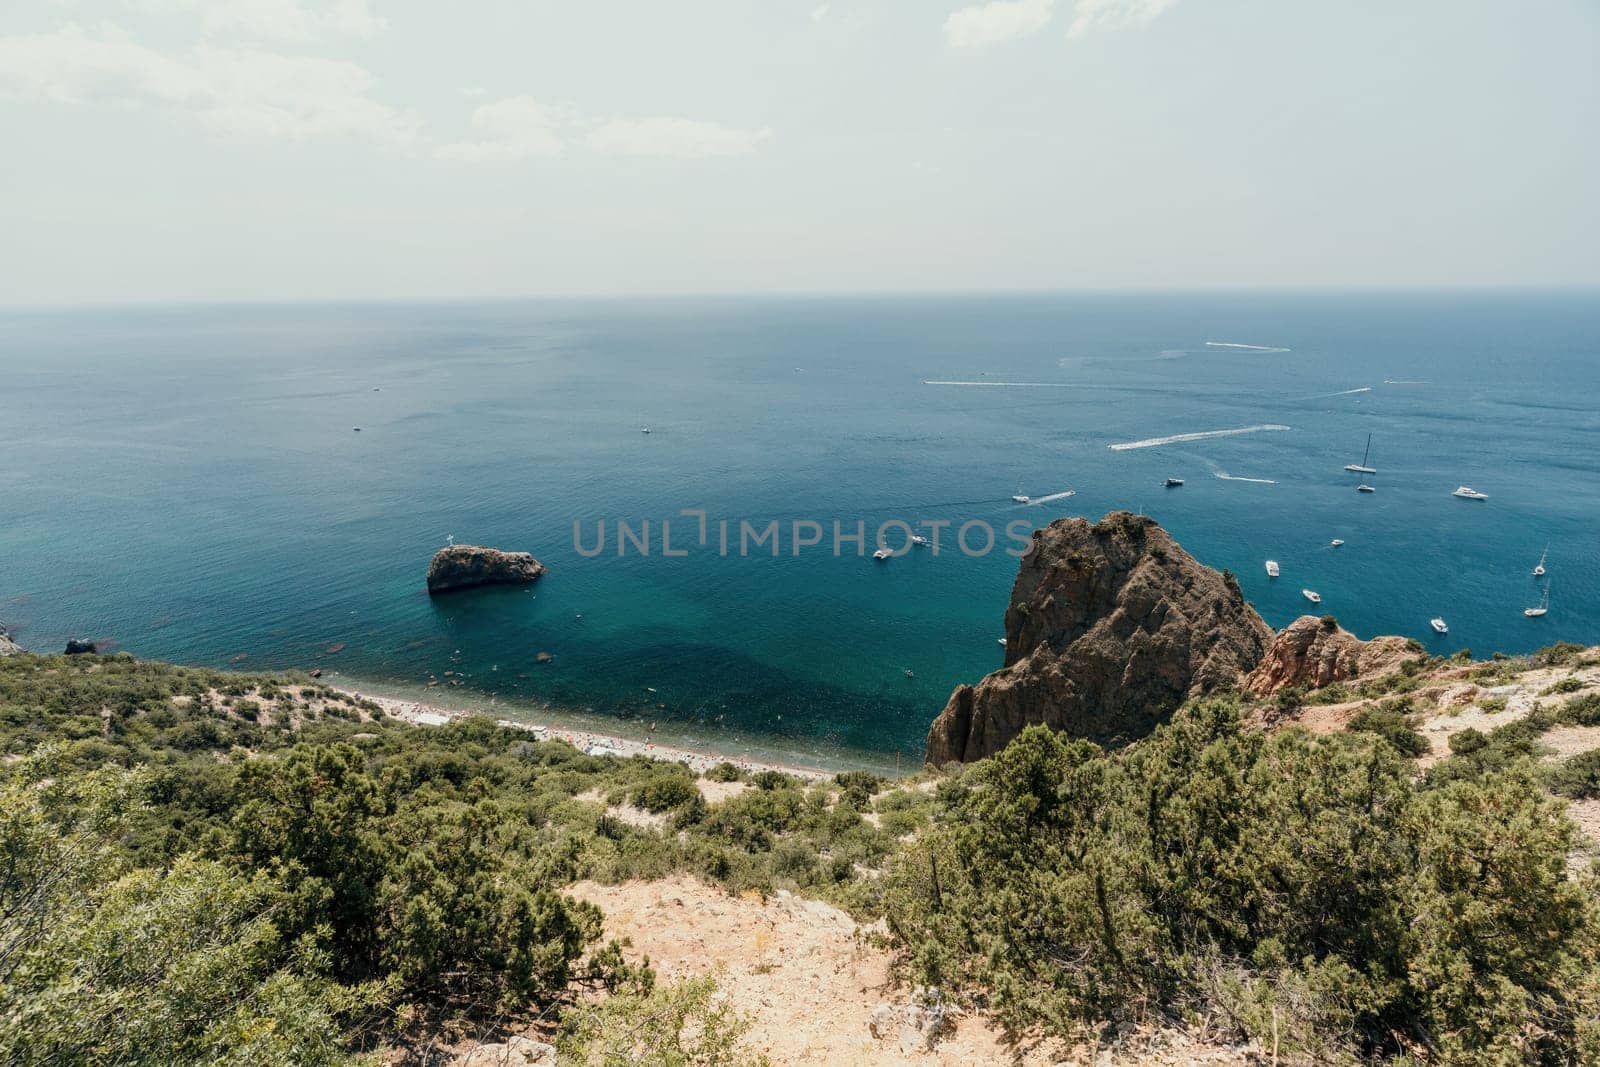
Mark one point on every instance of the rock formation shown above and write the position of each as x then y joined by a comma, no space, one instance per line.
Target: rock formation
1111,626
8,647
79,647
465,566
1313,652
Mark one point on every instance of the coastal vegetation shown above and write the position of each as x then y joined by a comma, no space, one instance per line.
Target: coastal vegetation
202,866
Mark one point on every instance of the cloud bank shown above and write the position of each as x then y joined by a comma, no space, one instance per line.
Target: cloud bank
999,21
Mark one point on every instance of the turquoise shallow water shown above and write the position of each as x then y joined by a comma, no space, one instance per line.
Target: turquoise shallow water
186,482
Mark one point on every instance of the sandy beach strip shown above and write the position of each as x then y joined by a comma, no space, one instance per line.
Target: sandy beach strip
419,713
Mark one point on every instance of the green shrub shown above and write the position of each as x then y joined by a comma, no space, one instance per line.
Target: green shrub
1581,711
668,792
1391,724
1213,862
725,772
1578,777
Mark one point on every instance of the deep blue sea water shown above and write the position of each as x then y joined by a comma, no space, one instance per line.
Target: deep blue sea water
187,483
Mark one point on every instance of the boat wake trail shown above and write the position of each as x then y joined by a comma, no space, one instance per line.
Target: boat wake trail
1177,438
1343,392
1248,348
1010,385
1053,496
1225,476
1403,381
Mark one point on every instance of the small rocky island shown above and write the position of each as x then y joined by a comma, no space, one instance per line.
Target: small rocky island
468,566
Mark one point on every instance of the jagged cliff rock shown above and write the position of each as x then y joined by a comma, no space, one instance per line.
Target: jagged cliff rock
1312,652
8,647
1111,626
465,566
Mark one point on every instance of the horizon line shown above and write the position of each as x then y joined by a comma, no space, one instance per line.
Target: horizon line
1442,289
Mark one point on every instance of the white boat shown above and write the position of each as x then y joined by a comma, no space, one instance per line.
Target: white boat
1466,492
1173,483
1002,642
1312,595
1439,625
1362,468
1544,606
1538,571
644,429
918,539
1336,542
882,554
1021,499
1365,489
1272,568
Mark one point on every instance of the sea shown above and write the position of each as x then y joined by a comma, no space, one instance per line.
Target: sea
262,486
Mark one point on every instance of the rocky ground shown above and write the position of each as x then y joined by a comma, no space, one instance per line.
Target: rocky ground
819,989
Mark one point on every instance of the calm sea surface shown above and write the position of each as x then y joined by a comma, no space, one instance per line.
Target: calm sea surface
187,483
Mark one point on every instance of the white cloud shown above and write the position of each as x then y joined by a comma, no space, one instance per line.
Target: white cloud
1092,15
263,96
674,137
235,94
983,25
518,127
274,20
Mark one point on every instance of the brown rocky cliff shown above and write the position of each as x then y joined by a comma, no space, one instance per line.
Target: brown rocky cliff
8,647
1313,652
1111,626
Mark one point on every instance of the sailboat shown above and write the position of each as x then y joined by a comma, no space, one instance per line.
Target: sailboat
1544,606
1538,570
1362,468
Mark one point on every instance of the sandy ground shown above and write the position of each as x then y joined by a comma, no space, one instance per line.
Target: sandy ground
595,744
811,979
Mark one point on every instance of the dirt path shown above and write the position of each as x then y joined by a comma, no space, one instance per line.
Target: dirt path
812,980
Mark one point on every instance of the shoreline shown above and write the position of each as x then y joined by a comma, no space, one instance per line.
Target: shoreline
594,742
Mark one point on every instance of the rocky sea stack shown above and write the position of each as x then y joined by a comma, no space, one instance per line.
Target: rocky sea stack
467,566
1111,626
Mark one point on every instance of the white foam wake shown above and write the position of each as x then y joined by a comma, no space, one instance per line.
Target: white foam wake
1010,385
1345,392
1053,496
1225,476
1251,348
1152,442
1402,381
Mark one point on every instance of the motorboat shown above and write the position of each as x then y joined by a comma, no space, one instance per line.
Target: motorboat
1312,595
1336,542
1272,568
1022,499
918,539
1173,483
1439,625
1466,492
1538,570
1365,489
882,554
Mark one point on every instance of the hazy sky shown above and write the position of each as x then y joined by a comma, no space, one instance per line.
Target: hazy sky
269,149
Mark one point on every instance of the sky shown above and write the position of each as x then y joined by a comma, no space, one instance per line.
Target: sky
238,150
